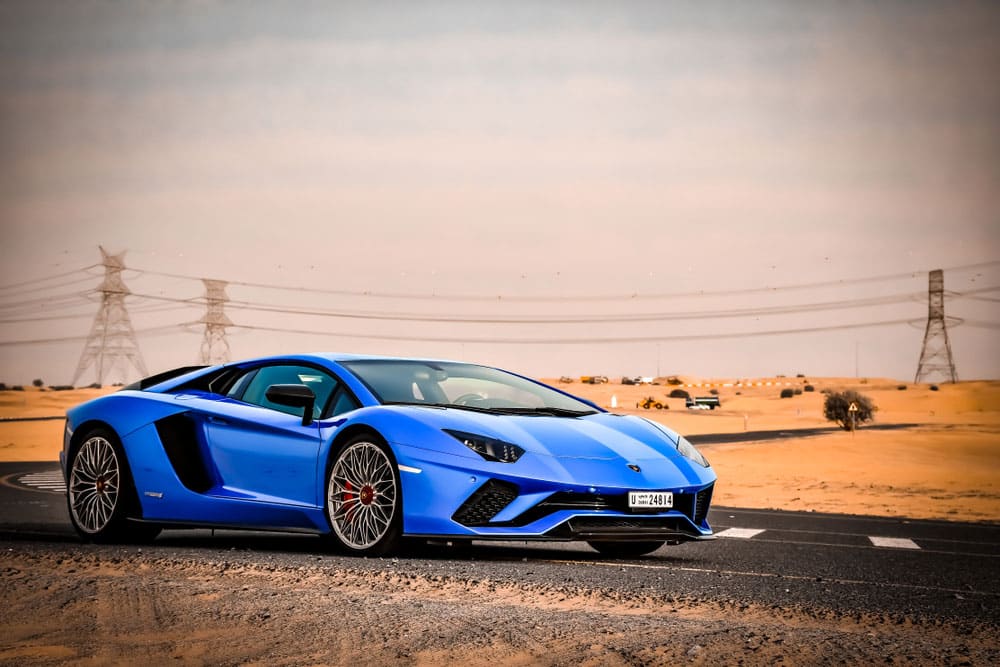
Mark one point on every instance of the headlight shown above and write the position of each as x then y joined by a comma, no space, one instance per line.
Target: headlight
490,449
687,450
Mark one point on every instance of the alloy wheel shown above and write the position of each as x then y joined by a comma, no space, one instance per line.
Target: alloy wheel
361,495
94,484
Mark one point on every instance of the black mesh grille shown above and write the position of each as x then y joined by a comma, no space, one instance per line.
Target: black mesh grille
694,506
637,528
567,500
701,502
486,503
610,524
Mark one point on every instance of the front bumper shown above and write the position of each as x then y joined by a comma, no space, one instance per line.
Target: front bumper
568,515
548,498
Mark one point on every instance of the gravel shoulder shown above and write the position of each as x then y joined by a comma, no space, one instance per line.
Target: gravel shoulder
83,605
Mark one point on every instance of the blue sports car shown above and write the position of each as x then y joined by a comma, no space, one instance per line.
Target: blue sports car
370,450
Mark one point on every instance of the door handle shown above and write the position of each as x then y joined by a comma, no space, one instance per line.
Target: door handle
217,420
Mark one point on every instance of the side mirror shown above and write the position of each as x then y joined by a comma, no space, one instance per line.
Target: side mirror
294,396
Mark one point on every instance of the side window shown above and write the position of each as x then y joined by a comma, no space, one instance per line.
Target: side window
343,402
240,386
254,386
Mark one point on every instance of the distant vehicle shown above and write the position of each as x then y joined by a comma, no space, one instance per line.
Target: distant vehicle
593,379
651,402
631,380
565,379
645,380
702,403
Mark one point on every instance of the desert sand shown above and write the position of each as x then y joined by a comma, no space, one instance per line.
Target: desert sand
940,459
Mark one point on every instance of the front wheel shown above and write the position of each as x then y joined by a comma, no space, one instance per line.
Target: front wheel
625,549
101,494
363,498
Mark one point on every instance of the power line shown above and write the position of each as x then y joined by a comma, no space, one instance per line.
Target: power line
171,302
151,331
43,288
585,319
152,303
37,302
46,278
578,298
159,308
477,319
981,324
576,341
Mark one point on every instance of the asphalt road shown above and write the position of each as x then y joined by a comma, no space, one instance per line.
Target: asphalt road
845,564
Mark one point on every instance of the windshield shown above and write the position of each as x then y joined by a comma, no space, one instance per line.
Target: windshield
468,386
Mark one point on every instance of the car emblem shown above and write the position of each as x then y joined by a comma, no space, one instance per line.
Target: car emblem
634,468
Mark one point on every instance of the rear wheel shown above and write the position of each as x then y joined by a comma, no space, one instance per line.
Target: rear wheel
100,492
626,549
363,498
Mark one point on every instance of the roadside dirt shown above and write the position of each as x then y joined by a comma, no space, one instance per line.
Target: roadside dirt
95,606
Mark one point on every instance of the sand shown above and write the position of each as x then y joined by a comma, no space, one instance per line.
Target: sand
37,440
942,462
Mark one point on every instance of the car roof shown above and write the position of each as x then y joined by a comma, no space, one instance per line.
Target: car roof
340,356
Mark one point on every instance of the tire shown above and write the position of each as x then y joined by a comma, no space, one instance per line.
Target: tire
659,406
625,549
364,499
100,493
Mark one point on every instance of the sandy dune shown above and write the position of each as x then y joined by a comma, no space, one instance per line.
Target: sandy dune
941,462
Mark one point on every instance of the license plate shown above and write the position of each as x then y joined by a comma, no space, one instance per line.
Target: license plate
650,499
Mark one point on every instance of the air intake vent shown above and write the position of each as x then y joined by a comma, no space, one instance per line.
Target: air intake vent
486,503
179,435
637,528
701,502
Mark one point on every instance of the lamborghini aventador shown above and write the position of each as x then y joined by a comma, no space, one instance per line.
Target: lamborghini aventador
368,451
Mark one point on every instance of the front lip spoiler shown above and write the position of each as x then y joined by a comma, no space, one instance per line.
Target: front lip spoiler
618,529
627,536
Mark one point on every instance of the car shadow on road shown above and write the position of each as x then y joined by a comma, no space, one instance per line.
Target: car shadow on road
295,544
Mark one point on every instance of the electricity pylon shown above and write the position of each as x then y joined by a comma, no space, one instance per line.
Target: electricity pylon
935,356
111,345
214,345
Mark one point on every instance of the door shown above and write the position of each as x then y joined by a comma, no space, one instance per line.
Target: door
260,450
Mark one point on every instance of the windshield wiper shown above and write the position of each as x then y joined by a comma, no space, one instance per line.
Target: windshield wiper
549,411
470,408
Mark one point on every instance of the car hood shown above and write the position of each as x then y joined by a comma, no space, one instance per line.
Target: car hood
602,436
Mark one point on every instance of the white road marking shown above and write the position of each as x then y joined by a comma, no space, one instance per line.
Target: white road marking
46,481
740,533
893,542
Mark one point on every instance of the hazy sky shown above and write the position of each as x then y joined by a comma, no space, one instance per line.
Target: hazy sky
507,150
